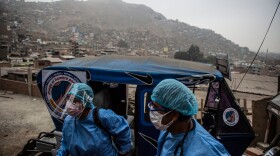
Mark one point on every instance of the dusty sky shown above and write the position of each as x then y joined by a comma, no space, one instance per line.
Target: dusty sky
244,22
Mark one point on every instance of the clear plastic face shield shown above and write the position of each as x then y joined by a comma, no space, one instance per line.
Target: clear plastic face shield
73,103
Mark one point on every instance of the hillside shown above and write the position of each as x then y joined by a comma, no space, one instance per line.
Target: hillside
138,25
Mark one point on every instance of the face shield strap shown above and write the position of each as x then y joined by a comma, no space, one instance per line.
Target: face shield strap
90,98
86,98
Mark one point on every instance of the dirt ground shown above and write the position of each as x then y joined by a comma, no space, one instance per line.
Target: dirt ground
21,118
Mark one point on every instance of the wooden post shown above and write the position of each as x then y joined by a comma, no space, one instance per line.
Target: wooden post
29,81
0,79
245,106
201,107
242,108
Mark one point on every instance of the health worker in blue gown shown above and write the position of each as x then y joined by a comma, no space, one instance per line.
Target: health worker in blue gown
171,111
81,136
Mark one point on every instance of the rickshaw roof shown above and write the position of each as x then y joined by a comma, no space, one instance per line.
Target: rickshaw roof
122,69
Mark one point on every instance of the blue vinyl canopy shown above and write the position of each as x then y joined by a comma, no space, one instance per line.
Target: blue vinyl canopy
145,70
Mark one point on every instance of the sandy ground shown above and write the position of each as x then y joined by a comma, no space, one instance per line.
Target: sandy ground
21,118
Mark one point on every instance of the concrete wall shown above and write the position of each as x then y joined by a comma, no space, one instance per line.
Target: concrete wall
5,65
41,63
19,87
17,77
35,91
259,119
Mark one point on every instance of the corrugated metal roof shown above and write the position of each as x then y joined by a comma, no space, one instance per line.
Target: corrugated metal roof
67,56
255,84
17,70
52,59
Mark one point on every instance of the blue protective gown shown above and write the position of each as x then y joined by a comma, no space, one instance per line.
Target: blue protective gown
197,142
83,137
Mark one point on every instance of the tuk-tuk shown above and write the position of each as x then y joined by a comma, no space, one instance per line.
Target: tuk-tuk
110,77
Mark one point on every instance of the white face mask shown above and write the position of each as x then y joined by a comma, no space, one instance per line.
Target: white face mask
156,119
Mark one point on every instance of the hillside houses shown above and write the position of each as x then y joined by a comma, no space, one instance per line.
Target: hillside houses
33,35
47,61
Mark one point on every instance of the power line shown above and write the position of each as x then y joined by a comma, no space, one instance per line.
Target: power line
260,45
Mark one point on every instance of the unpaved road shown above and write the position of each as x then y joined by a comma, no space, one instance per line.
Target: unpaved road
21,118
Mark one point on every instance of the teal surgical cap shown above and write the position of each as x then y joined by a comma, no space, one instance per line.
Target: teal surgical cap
172,94
83,92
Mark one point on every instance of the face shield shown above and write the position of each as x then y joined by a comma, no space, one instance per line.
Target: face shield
73,103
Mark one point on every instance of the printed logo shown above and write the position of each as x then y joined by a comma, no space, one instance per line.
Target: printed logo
230,117
147,79
54,89
197,79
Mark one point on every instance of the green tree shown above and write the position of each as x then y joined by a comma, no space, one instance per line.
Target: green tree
211,60
193,54
122,44
181,55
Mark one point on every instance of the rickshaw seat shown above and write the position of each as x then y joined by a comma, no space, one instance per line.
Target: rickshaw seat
49,141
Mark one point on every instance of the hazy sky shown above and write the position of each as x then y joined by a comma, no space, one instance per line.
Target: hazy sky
242,21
